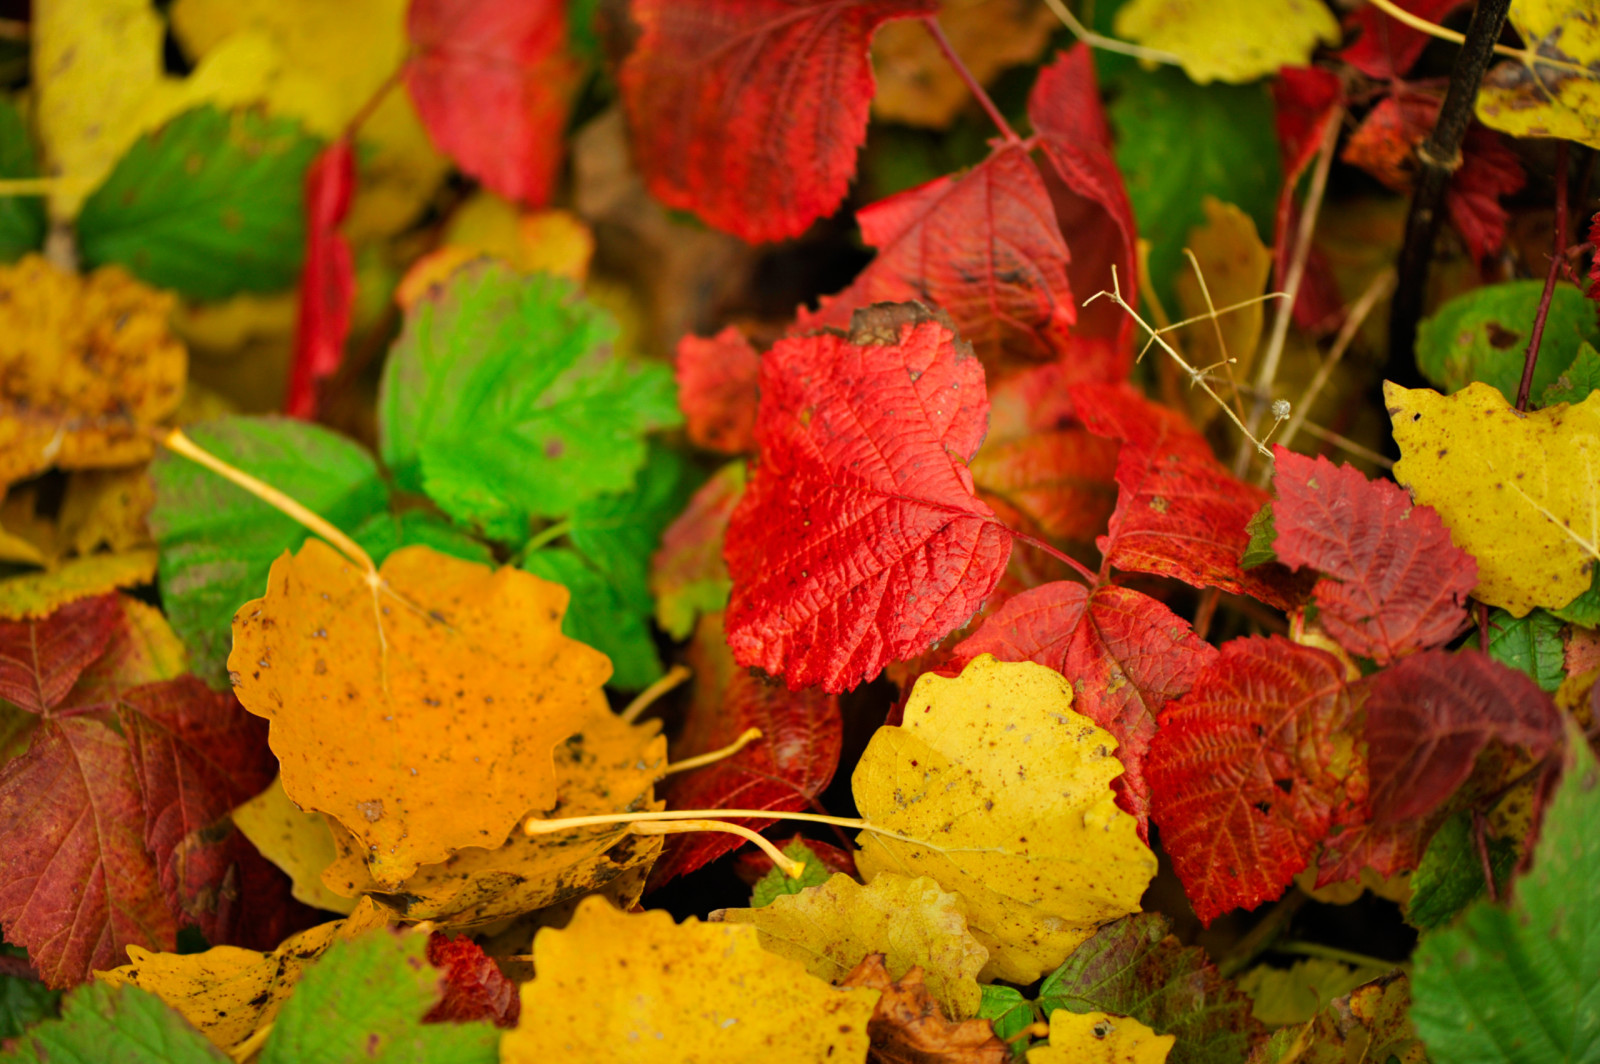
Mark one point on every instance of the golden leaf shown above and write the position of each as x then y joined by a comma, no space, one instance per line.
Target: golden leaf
1009,791
1096,1038
298,842
1237,41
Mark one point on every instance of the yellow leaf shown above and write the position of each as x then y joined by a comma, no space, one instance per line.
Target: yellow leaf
1011,791
831,928
1237,41
1558,94
297,842
106,508
42,593
1097,1038
1235,265
639,989
554,241
230,994
1284,996
608,766
85,364
1519,492
420,713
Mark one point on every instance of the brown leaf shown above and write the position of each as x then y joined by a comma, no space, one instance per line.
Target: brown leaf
909,1027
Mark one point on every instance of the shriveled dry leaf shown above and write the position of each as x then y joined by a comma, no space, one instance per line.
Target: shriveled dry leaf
909,1027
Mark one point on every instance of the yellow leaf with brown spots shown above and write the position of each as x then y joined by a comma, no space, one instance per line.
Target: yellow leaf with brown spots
1097,1038
421,710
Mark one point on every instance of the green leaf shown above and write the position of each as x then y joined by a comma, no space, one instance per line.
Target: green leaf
775,884
1583,611
211,204
1482,335
1522,984
1263,534
1577,380
619,533
1292,995
218,541
364,1001
22,218
24,1002
598,617
1006,1010
502,401
383,533
1450,875
1530,644
101,1024
1135,967
1177,143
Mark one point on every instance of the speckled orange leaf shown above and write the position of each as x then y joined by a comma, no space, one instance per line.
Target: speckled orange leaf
420,713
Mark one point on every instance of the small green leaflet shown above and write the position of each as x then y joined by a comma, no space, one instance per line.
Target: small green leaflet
1530,644
100,1024
1006,1010
211,204
1577,380
1450,875
22,219
1263,534
598,616
775,884
502,401
1522,984
1482,335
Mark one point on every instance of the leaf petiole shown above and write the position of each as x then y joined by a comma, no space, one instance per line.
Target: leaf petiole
713,756
791,867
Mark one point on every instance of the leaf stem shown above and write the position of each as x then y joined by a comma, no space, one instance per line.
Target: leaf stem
1060,556
1333,953
791,867
1557,257
1526,56
1108,44
1480,839
536,826
546,535
973,86
711,757
646,698
365,111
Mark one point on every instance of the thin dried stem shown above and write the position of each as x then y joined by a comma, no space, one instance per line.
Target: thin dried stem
1526,56
791,867
1108,44
713,756
1215,317
1557,256
535,826
1061,556
646,698
974,86
1345,443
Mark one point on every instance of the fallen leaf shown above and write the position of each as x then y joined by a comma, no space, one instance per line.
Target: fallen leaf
1556,93
861,498
908,1027
298,842
638,987
802,77
327,280
1061,479
1483,335
1385,47
556,242
87,363
768,882
460,668
916,83
1235,42
1235,266
129,1023
1099,1038
474,986
1393,581
1515,490
687,574
1369,1023
911,923
1449,876
1294,995
1250,769
41,660
1010,789
717,390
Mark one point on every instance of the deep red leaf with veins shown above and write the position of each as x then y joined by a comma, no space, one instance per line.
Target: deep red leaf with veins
750,113
328,279
1061,479
1125,654
1091,205
717,390
77,885
1179,513
860,540
1387,849
474,986
40,660
984,247
1385,47
791,764
1394,582
491,82
1250,769
1430,715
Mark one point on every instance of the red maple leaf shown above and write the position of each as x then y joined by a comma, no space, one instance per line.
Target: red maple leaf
860,539
1386,48
750,113
474,986
491,82
1394,582
1125,654
1179,513
717,390
40,660
1305,99
984,247
1430,715
790,765
1247,773
328,279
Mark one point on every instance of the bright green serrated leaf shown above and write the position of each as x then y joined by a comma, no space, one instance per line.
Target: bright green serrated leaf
599,617
1530,644
1238,41
1558,94
1007,1011
1482,335
1577,380
1450,875
22,218
502,400
212,204
775,884
364,1001
618,533
1178,143
101,1024
218,541
1522,984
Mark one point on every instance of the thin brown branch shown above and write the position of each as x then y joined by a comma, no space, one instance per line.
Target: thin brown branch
1557,257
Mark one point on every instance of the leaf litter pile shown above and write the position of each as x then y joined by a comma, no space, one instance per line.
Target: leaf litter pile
811,530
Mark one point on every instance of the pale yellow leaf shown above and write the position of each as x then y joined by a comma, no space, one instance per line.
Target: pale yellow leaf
1098,1038
1237,41
1558,93
296,841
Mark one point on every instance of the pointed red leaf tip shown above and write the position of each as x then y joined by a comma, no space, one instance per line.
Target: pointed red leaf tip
492,82
40,660
1304,102
785,770
1125,654
1393,581
717,390
328,279
983,246
1250,770
1092,206
1386,48
1179,513
750,112
474,986
860,539
1430,715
